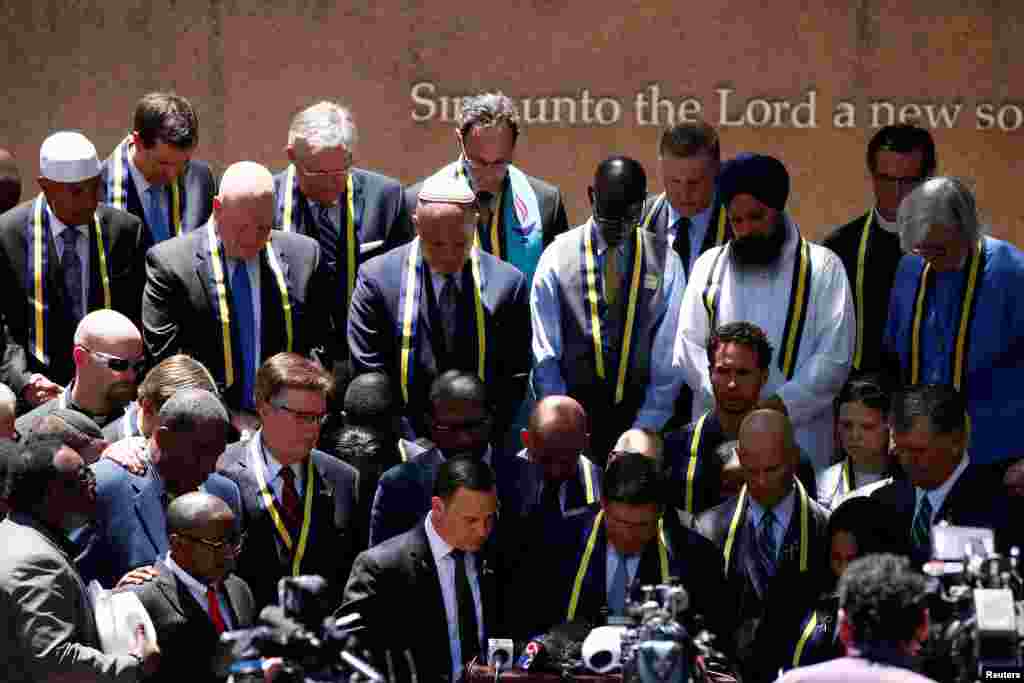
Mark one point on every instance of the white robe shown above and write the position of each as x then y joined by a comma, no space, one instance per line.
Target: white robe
760,295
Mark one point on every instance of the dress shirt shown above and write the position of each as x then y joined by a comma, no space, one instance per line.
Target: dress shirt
698,230
761,295
888,226
437,280
274,478
445,564
142,187
783,512
545,312
198,591
252,267
612,560
937,496
57,228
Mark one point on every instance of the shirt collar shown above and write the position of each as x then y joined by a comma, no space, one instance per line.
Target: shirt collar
887,225
57,226
191,582
141,184
783,510
273,465
938,495
439,548
698,218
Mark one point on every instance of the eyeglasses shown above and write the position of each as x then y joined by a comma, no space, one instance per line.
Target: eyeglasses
116,363
232,544
463,427
632,216
304,418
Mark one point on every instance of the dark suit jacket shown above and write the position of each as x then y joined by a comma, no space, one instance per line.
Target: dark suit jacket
404,492
130,526
883,259
188,640
196,185
549,198
123,239
775,610
395,588
374,332
329,549
659,224
380,219
978,498
179,303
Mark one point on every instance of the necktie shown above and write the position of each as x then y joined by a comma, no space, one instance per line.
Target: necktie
290,498
327,235
73,273
612,275
447,302
550,505
484,225
469,631
766,542
921,533
682,242
241,294
213,604
617,594
155,214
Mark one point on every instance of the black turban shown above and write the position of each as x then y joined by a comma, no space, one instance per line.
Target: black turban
763,177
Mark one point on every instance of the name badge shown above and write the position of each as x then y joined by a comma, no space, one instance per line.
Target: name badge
650,281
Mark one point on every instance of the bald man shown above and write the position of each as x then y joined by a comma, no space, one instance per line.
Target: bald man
230,296
109,362
195,596
452,305
602,330
84,257
10,181
774,538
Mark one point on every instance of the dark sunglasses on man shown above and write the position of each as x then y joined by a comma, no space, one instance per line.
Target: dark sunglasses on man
116,363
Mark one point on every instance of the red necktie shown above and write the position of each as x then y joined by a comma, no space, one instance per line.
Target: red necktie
290,498
214,604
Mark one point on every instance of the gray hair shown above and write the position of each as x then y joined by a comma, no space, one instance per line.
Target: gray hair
189,407
942,200
8,401
486,110
325,125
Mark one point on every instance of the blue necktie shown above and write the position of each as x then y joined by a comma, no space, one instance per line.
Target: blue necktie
155,214
921,531
241,294
617,594
73,273
766,542
327,235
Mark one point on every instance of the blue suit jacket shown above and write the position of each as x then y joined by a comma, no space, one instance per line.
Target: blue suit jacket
375,321
196,184
130,528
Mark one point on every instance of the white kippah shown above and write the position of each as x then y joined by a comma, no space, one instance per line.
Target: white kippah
68,157
448,188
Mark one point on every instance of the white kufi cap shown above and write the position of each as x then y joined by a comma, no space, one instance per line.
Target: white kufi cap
447,188
68,157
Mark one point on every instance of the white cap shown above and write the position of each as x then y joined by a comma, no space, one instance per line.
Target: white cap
68,157
447,188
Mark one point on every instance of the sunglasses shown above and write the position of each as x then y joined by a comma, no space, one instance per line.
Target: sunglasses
116,363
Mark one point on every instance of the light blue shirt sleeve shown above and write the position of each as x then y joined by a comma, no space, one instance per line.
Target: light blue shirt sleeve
545,315
665,381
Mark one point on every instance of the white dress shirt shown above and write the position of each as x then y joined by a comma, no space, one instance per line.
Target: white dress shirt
198,591
445,563
760,295
57,228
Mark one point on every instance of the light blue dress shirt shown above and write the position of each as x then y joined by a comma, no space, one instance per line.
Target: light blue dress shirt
783,512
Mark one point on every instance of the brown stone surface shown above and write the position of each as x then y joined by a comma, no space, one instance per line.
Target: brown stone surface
247,65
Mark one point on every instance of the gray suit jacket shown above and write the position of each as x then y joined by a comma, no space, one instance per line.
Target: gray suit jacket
188,640
852,670
48,632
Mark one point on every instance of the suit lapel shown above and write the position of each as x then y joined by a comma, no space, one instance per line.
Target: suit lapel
273,332
427,578
358,205
594,592
149,509
205,275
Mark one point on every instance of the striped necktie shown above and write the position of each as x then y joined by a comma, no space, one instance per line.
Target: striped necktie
921,532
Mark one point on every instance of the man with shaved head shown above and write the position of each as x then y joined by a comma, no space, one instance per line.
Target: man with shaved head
774,539
109,361
440,303
230,295
195,596
603,305
62,255
10,181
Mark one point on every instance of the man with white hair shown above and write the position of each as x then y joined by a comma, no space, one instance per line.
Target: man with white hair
230,295
955,315
61,256
109,362
151,173
454,306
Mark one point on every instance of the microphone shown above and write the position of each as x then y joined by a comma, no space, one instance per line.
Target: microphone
533,655
286,627
499,652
